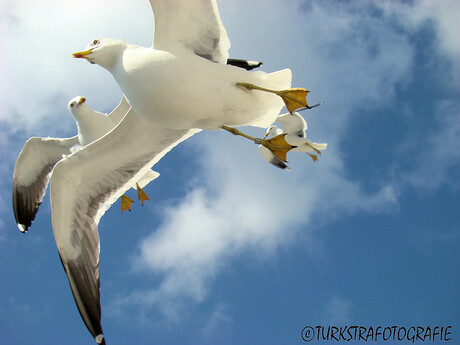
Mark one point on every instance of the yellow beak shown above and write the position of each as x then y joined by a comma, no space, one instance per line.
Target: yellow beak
83,54
82,100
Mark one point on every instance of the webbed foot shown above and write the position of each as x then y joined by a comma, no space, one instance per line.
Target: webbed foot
142,196
126,203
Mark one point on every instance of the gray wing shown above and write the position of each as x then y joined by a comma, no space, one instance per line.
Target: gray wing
31,175
120,111
84,185
193,25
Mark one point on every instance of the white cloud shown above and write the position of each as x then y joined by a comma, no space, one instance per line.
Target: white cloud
437,153
244,205
442,17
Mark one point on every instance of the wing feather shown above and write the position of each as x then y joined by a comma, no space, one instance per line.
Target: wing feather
120,111
82,188
194,25
272,159
31,175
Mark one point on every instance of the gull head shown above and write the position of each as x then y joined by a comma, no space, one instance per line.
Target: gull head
103,52
272,131
77,105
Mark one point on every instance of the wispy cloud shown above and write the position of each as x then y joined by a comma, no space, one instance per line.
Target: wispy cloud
440,16
41,76
438,157
218,319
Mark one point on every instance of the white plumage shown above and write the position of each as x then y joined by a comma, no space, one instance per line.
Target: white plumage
182,81
39,155
175,88
295,127
294,130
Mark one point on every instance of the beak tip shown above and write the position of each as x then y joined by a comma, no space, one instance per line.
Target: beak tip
82,54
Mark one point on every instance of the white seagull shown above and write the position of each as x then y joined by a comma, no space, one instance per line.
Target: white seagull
92,125
87,174
183,80
294,135
295,127
38,157
85,184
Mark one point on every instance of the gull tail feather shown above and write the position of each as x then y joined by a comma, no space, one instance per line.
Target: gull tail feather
319,146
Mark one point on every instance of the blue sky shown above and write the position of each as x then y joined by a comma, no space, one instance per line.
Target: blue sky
231,250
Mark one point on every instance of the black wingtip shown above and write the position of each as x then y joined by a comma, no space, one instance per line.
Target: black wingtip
246,64
23,228
280,164
24,214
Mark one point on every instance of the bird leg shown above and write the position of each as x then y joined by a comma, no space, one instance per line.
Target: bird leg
316,150
236,131
294,98
277,145
126,203
142,196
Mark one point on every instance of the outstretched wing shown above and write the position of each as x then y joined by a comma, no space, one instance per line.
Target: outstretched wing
193,25
82,188
31,175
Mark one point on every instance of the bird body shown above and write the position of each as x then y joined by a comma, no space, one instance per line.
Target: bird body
181,90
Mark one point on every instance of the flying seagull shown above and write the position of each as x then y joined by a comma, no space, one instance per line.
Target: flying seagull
294,131
38,157
183,80
176,88
85,184
92,125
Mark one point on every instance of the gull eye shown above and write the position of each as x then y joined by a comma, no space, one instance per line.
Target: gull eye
72,104
96,42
